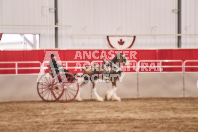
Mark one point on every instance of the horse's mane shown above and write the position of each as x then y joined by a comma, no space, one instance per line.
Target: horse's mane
114,60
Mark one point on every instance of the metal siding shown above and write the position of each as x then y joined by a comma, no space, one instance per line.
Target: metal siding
29,12
117,17
189,23
102,17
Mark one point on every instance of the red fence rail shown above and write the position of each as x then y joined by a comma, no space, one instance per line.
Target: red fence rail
35,67
139,60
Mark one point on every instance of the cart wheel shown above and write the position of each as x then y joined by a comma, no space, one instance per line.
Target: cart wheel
70,89
48,89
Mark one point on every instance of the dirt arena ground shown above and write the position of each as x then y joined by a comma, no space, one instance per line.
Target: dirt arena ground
144,114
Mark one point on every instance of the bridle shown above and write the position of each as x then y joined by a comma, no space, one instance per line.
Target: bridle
114,60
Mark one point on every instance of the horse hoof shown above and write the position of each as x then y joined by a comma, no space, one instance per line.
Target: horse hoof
100,99
79,99
107,97
116,99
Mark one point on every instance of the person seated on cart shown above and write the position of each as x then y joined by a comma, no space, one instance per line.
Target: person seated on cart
55,68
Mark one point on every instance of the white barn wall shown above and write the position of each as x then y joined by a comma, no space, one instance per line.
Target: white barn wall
117,17
190,23
101,17
28,12
24,87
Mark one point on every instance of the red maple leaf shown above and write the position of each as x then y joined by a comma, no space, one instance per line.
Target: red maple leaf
121,42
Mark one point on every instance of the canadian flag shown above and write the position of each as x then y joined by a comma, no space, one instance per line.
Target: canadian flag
121,42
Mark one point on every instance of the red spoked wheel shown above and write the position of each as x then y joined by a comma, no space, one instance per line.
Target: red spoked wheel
48,89
70,88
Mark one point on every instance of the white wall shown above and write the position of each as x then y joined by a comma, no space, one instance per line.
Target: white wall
101,17
190,23
28,12
117,17
24,87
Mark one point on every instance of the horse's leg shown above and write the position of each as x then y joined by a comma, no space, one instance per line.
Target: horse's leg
78,98
98,98
111,94
115,97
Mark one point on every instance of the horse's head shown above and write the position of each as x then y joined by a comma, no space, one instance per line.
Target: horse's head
124,59
120,58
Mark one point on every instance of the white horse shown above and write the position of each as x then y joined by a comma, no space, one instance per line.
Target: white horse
111,69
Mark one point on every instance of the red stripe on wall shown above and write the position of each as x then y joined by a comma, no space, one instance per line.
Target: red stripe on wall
69,55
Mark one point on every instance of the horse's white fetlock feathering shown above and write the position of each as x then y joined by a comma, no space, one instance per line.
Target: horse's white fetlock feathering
108,96
111,95
115,97
98,98
78,99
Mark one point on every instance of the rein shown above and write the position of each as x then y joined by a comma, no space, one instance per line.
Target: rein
114,60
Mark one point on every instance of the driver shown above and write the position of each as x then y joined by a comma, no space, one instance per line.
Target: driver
56,69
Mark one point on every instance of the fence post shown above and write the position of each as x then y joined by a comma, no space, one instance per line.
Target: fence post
16,66
183,69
